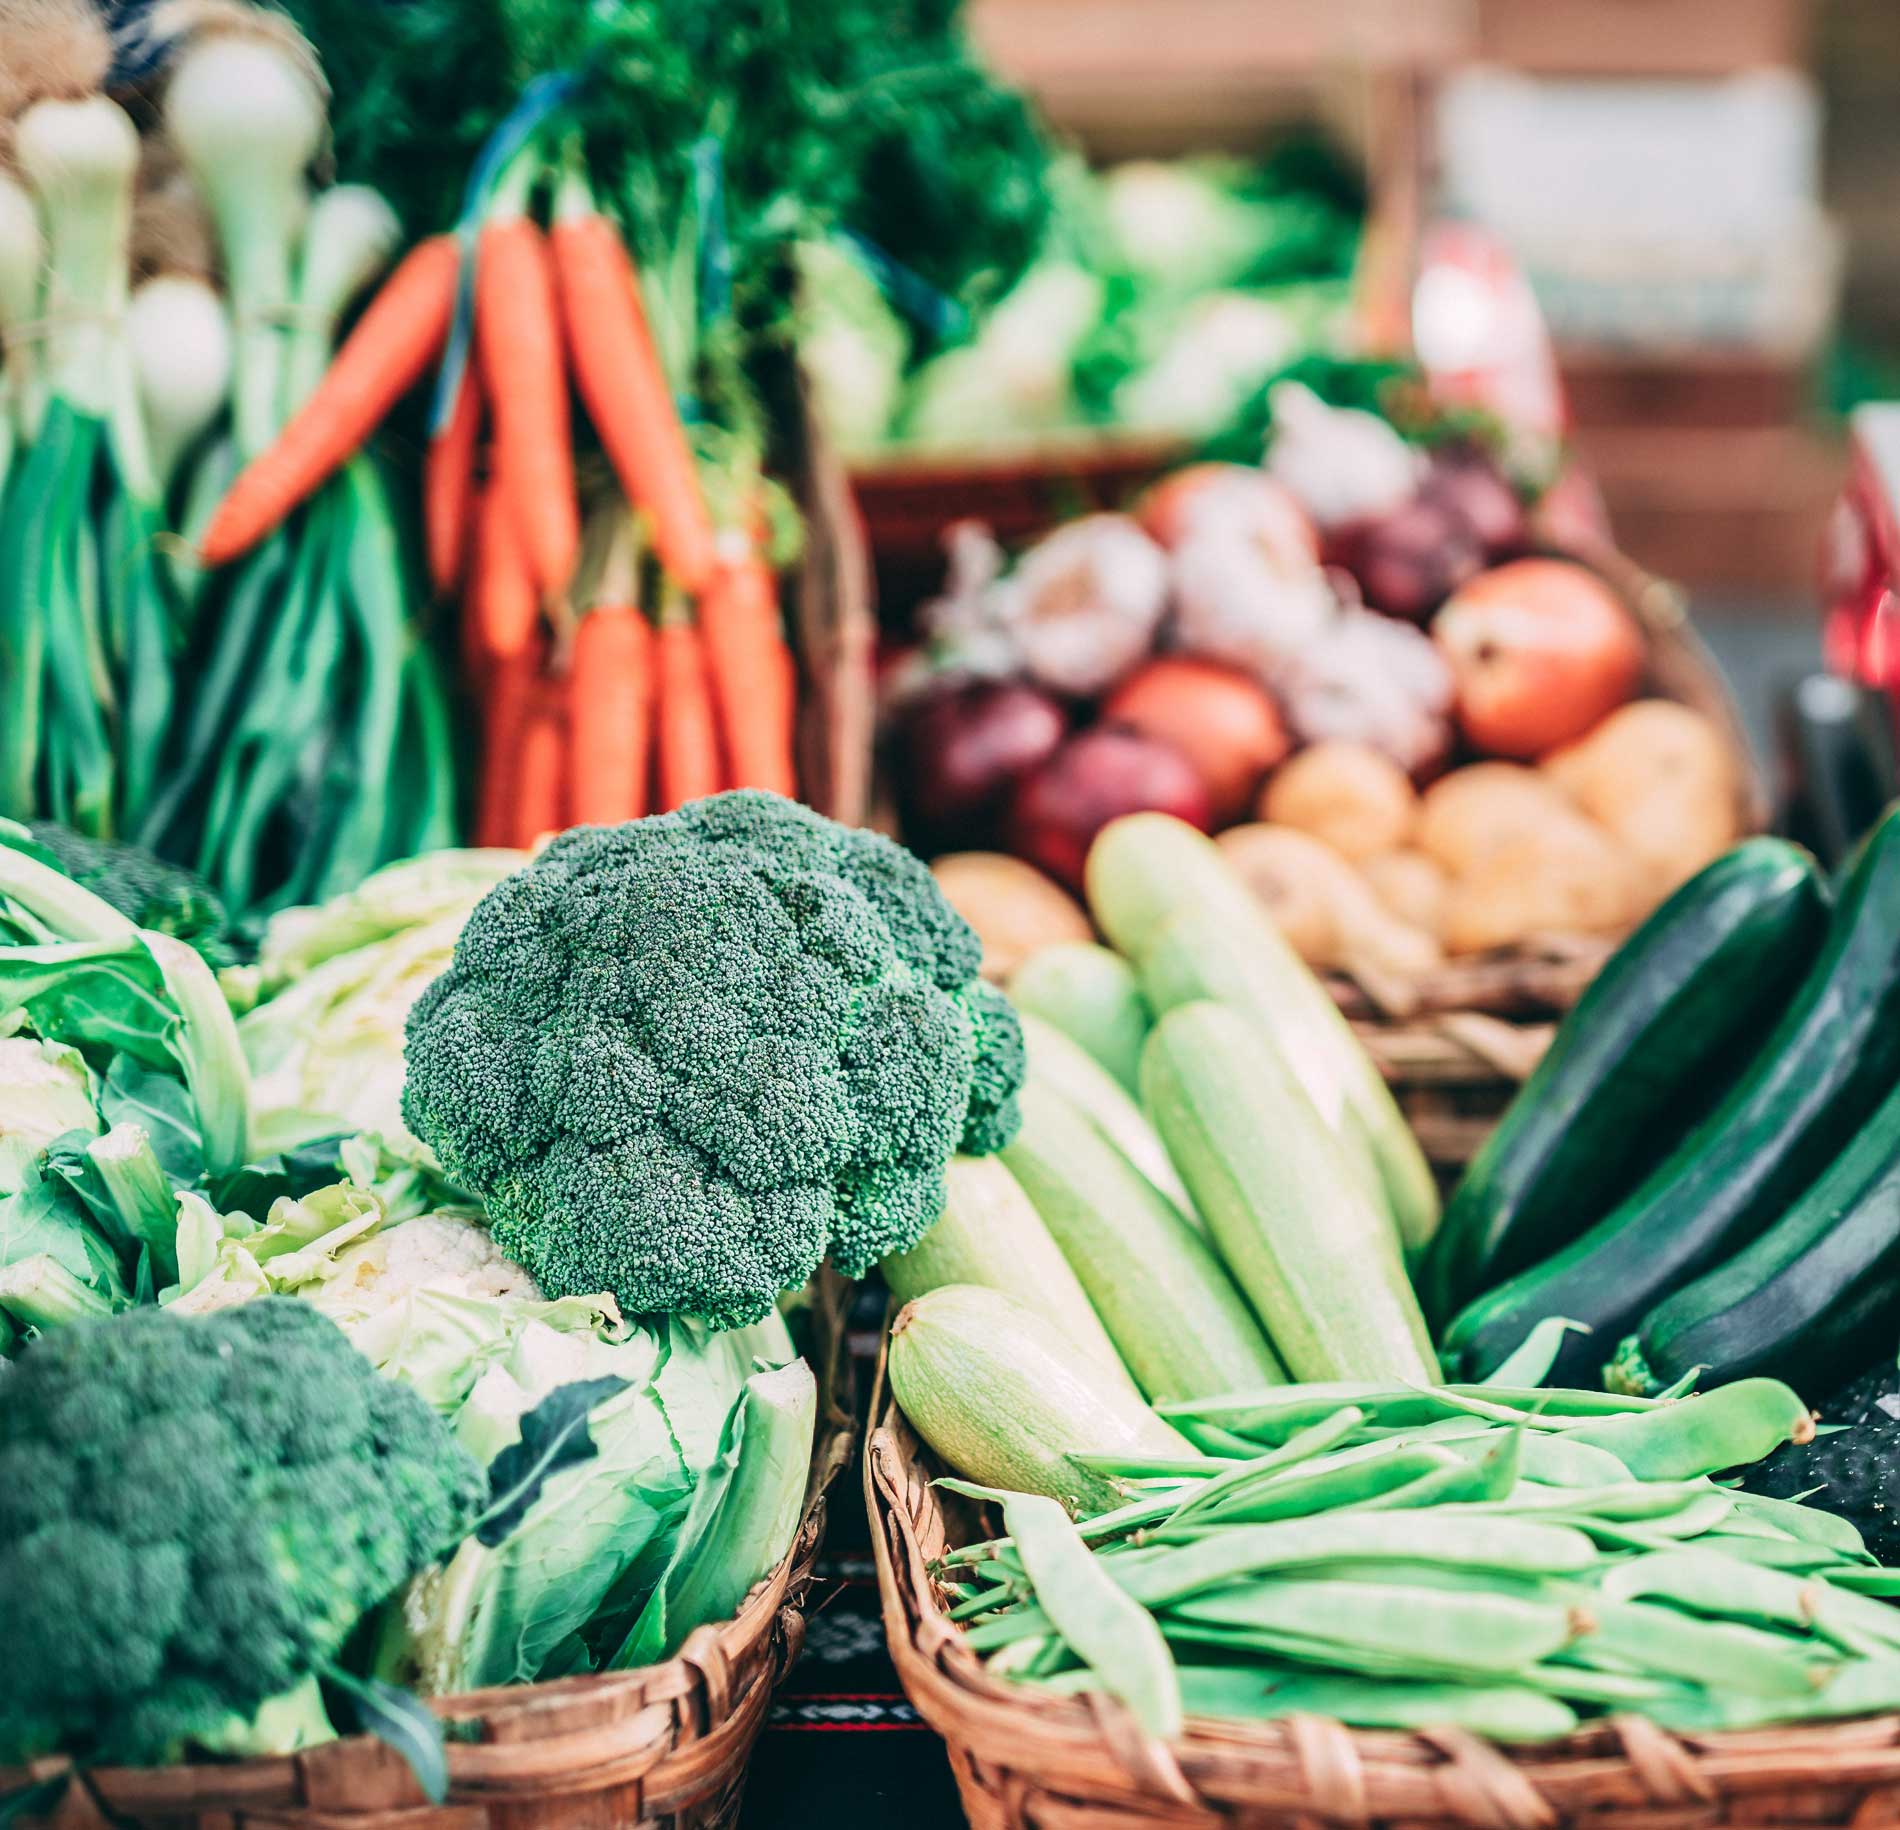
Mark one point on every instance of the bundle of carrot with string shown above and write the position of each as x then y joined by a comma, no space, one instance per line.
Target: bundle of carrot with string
611,204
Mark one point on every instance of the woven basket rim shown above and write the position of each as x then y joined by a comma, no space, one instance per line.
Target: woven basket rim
567,1735
1089,1752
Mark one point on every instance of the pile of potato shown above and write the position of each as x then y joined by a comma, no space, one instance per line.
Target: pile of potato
1368,874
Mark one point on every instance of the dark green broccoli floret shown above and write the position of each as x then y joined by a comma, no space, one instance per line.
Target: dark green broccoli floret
143,888
195,1512
684,1058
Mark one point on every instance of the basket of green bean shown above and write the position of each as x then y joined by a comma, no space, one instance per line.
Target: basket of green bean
1366,1604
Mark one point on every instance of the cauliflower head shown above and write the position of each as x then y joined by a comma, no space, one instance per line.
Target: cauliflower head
195,1512
684,1058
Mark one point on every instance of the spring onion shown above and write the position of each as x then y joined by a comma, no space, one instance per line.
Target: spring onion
247,117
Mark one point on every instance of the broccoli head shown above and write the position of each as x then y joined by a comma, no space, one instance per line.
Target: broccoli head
144,889
195,1512
683,1058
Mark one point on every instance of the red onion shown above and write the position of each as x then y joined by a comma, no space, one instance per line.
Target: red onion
1409,560
1092,779
959,751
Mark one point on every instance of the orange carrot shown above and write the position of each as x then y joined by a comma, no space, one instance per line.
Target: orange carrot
688,744
394,341
518,343
610,715
752,673
540,805
448,486
618,372
507,691
501,603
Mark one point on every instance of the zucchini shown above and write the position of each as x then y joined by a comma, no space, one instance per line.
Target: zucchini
981,1382
1166,897
991,1234
1182,1328
1830,1060
1308,1246
1810,1300
1092,995
1057,1061
1662,1032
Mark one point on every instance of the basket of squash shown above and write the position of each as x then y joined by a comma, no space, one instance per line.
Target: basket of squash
1456,759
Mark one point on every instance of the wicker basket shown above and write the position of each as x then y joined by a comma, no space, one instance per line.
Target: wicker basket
1024,1759
664,1748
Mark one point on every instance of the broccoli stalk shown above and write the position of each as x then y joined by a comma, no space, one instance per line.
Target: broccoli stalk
684,1058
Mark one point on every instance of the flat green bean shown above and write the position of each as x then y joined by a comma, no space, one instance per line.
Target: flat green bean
1315,1489
1530,1361
1701,1515
1138,1467
1217,1439
1493,1476
1709,1583
1487,1632
1504,1712
1726,1428
1863,1580
1632,1500
1511,1545
1240,1478
1634,1635
1553,1461
1114,1636
1809,1523
1328,1654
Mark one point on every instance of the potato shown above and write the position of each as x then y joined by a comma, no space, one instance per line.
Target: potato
1014,908
1571,879
1324,907
1465,816
1354,797
1411,885
1664,780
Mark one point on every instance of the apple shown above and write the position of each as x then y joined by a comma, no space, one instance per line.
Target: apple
1541,651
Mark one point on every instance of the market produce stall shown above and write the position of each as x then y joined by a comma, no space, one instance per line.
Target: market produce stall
1141,1554
1369,1177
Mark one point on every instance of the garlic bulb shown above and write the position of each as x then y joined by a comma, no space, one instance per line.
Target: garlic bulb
1086,602
1236,601
1368,679
1343,464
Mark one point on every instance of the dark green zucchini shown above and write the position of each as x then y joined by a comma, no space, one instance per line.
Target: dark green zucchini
1662,1032
1809,1300
1830,1061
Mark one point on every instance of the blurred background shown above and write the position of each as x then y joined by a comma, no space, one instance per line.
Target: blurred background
1698,193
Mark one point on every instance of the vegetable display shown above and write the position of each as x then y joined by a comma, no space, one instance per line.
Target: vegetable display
415,1467
615,211
1162,296
1691,1191
1242,649
1419,1556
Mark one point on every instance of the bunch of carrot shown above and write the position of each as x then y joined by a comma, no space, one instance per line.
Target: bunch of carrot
590,711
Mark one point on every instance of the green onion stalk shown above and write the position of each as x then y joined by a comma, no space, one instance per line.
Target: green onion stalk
318,747
84,629
21,254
